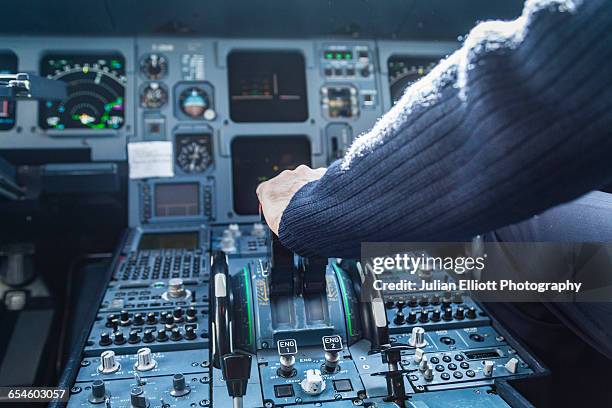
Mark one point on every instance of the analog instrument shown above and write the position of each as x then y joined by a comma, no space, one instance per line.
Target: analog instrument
154,66
153,96
193,152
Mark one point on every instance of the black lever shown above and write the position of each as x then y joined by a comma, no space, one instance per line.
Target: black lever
283,269
236,370
313,279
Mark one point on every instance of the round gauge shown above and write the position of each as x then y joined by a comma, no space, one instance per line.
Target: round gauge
154,66
194,102
193,152
96,92
153,96
403,71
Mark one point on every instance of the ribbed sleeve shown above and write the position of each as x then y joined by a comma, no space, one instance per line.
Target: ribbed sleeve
516,121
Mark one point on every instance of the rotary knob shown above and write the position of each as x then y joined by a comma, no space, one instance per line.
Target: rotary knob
412,317
134,337
192,314
145,361
399,318
124,318
459,313
119,338
108,363
138,398
190,333
176,335
109,319
435,315
138,319
178,314
105,339
179,386
162,335
471,313
258,230
448,314
148,336
151,319
313,383
424,316
176,290
98,392
417,337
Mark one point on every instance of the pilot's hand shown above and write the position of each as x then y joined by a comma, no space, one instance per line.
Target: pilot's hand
274,195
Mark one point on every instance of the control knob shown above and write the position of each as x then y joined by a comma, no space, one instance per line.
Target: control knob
145,361
313,383
138,398
98,392
179,386
417,337
108,363
176,290
258,230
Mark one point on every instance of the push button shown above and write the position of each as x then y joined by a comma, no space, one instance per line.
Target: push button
343,385
283,391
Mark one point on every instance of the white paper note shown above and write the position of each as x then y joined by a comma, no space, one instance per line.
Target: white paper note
150,159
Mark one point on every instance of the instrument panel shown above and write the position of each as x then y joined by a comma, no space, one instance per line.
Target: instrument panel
217,101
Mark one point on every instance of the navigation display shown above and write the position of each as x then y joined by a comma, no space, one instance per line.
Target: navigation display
259,158
267,86
96,92
8,65
177,200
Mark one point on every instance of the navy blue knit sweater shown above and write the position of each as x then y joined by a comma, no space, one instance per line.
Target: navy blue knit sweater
516,121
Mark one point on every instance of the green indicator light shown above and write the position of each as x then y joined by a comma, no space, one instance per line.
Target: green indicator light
329,55
348,55
347,311
249,310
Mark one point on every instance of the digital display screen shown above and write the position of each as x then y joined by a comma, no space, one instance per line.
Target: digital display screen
259,158
96,91
267,86
405,70
185,240
8,65
177,200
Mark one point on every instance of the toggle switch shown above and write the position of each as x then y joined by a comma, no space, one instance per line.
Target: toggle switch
512,365
287,349
332,346
418,355
424,363
428,373
487,369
